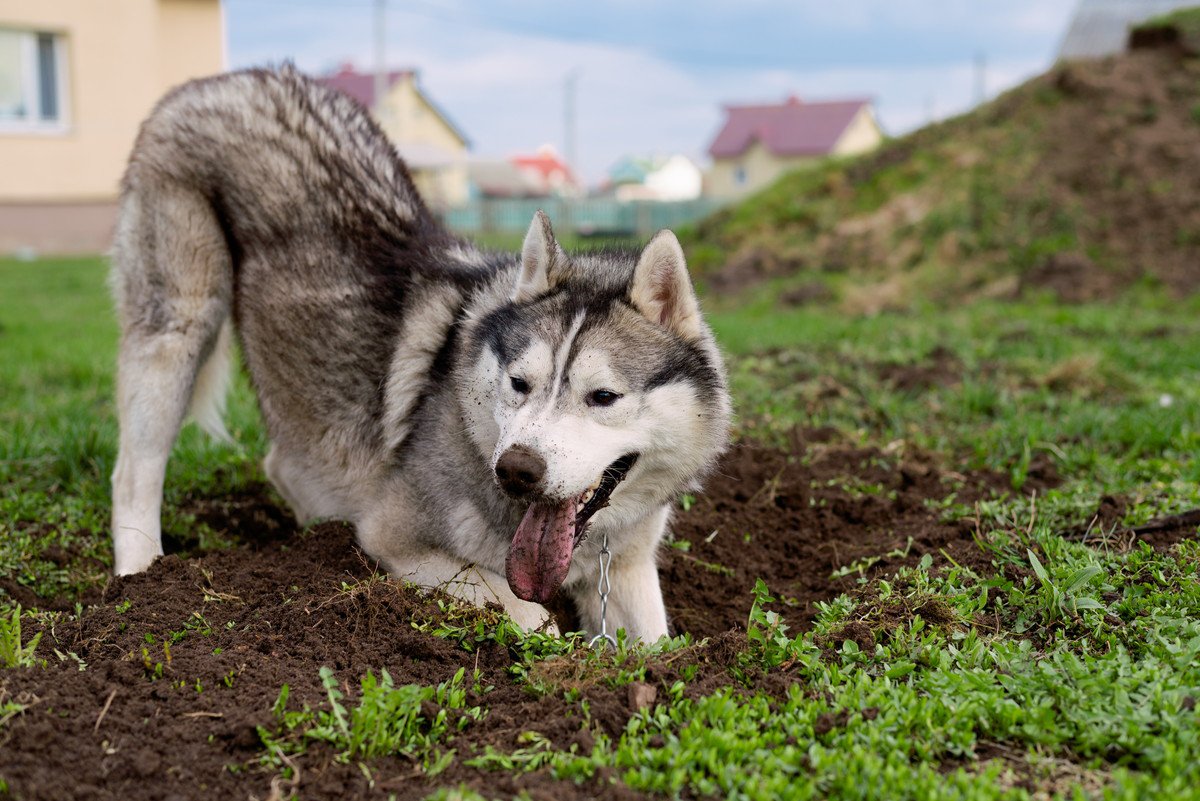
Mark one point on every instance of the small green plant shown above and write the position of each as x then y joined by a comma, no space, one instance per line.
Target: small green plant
770,645
12,653
71,655
411,720
536,752
155,669
9,709
1060,600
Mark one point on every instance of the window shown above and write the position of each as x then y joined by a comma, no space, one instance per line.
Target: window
31,81
739,175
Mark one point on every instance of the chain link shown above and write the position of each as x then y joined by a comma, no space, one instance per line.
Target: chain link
603,588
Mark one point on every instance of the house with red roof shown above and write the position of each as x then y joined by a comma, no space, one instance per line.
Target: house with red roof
759,143
547,170
434,148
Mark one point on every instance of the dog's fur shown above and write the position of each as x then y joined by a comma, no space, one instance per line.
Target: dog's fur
396,365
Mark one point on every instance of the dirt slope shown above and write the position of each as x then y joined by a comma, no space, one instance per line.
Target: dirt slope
1082,181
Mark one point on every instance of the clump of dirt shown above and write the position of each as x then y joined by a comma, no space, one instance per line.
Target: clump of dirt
251,515
941,367
810,293
750,266
1107,525
1167,531
1072,278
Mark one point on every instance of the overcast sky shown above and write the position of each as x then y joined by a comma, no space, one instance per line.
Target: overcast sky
653,74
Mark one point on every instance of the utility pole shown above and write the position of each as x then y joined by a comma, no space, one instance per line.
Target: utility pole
380,61
570,143
980,78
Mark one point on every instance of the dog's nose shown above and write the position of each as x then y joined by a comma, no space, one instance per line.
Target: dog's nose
520,471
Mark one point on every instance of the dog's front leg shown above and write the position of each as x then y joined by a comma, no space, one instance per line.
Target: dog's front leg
635,601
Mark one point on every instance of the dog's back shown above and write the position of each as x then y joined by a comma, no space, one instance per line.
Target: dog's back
264,199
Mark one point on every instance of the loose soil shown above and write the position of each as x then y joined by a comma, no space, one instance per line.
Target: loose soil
272,611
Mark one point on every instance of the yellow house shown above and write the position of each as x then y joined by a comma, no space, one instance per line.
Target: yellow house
757,144
76,79
429,142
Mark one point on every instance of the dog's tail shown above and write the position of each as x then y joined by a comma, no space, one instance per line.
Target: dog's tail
212,386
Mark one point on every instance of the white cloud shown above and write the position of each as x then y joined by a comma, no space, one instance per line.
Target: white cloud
505,89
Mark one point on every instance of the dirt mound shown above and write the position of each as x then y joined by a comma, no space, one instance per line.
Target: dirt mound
1081,182
1121,144
184,662
809,525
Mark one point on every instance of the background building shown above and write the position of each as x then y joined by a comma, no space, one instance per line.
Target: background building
664,178
76,79
757,144
432,145
549,172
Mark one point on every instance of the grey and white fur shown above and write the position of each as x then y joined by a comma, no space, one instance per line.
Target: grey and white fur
459,407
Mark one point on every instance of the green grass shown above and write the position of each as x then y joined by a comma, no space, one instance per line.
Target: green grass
58,428
387,720
1088,689
1109,393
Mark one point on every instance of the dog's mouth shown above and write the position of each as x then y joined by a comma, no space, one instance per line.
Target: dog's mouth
540,554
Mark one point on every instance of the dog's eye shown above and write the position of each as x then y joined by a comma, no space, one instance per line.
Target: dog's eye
520,385
603,397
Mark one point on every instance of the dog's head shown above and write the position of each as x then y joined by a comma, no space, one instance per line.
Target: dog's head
596,394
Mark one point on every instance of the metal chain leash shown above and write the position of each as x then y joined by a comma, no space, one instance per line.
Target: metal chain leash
603,588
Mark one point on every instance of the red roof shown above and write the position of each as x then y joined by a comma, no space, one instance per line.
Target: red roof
547,164
359,85
791,128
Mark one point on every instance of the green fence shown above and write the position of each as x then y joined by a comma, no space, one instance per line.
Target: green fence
583,216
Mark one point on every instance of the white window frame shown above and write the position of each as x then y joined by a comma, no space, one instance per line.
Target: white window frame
34,124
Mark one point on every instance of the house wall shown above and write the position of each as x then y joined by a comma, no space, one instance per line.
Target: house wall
677,179
760,167
863,134
410,121
443,187
120,58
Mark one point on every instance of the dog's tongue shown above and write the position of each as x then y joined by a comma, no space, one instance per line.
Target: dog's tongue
540,554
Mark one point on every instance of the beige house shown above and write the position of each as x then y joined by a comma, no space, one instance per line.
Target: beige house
430,143
76,79
757,144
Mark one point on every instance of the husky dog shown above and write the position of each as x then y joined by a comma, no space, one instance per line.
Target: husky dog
481,419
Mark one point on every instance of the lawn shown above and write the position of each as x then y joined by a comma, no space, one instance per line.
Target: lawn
979,579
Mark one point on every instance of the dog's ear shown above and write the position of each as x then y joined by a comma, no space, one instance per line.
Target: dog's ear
540,255
662,290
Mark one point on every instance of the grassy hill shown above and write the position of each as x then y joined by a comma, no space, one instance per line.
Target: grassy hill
1082,181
